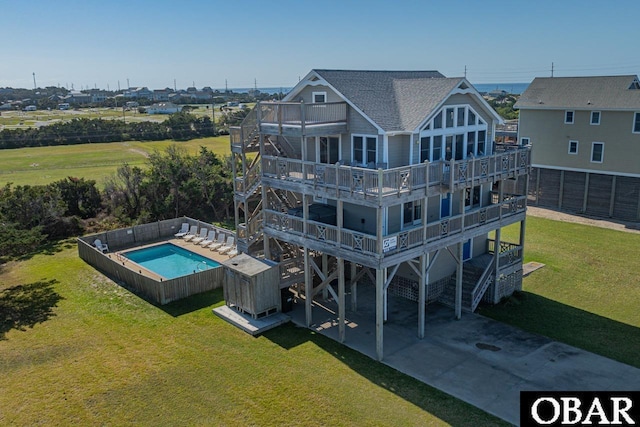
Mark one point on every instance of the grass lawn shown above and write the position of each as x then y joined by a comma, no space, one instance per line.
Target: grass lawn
105,357
588,293
43,165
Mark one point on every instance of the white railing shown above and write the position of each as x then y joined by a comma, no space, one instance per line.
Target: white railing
384,182
488,276
404,240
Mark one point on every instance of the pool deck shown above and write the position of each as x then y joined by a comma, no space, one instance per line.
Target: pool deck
205,252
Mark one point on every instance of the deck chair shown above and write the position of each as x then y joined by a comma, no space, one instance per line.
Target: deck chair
102,247
201,236
229,246
193,231
209,240
233,252
218,243
183,230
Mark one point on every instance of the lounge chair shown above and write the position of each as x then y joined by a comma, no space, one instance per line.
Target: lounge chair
218,243
229,246
233,252
102,247
201,236
193,231
209,240
183,230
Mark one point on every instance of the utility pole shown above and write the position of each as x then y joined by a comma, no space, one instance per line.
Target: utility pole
118,85
128,86
465,71
34,81
552,69
174,85
226,87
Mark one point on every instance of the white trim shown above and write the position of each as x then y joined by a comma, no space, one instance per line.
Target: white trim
633,124
593,144
573,117
601,172
569,148
591,118
313,97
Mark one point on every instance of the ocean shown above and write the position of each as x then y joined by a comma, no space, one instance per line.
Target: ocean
514,88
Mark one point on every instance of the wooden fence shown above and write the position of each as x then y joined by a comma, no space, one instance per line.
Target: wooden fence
156,290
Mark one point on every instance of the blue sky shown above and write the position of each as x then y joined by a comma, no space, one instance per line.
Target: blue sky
152,42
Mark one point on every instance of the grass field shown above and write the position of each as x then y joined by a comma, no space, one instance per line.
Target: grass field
588,293
106,357
42,165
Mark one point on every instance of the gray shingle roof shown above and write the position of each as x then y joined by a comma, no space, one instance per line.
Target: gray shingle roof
589,93
394,100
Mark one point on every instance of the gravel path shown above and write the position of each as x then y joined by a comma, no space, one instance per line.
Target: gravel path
629,227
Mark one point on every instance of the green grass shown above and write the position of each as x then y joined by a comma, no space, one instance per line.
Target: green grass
588,293
106,357
43,165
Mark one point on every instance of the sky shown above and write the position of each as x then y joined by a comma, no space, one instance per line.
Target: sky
275,43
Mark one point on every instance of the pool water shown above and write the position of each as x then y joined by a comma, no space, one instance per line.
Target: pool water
170,261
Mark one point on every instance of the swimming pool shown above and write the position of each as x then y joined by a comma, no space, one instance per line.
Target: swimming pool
170,261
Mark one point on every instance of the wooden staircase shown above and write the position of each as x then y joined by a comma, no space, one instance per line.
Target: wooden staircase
473,271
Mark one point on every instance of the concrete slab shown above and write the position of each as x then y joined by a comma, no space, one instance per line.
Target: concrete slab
481,361
249,324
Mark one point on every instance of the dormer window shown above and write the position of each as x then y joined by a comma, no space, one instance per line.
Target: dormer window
319,97
568,117
635,85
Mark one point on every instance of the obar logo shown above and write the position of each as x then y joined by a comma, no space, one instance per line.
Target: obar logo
579,408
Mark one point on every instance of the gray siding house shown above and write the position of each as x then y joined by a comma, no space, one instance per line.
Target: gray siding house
382,179
585,134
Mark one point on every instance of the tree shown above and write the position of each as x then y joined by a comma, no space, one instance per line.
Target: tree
81,196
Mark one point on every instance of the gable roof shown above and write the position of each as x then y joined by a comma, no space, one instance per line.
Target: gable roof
588,93
394,100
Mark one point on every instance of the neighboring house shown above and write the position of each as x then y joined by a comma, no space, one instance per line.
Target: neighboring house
77,97
138,92
585,138
164,108
384,177
30,108
161,94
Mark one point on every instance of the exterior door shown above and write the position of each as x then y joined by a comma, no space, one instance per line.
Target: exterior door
466,250
445,206
328,149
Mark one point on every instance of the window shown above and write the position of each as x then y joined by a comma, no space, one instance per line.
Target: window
319,97
411,213
471,118
525,141
364,149
449,117
460,121
425,149
573,147
568,117
482,136
437,148
595,117
472,197
636,123
597,152
437,121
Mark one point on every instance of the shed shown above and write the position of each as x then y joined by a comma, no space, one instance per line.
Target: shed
252,285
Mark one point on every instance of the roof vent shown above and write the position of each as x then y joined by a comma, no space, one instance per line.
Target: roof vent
540,101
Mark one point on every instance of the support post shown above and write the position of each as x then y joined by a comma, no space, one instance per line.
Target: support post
613,196
379,313
422,295
496,263
325,273
561,196
354,288
585,196
341,301
523,227
459,282
308,289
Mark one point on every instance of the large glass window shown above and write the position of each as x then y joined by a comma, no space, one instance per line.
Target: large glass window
460,120
437,121
437,148
449,113
471,119
357,149
482,142
425,149
371,150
